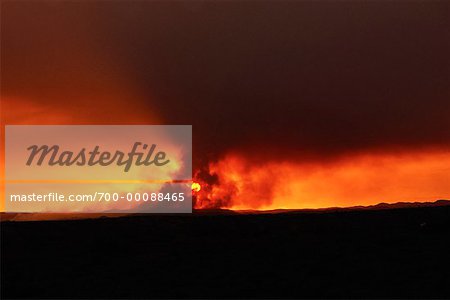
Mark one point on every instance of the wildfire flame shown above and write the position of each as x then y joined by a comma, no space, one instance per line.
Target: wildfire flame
235,183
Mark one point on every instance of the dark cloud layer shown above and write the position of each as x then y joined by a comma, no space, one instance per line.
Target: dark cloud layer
316,77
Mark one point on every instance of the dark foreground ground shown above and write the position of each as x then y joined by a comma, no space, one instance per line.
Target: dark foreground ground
399,253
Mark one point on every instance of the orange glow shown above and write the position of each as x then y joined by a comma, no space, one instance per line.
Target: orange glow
363,179
69,109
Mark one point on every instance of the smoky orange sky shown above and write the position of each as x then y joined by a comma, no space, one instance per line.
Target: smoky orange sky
293,104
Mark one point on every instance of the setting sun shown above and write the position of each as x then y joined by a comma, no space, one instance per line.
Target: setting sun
196,187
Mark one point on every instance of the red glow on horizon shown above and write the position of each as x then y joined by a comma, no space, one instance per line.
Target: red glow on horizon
365,179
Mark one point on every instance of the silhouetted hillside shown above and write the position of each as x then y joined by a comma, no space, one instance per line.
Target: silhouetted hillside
377,253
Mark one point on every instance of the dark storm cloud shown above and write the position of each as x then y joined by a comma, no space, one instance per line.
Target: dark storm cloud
315,77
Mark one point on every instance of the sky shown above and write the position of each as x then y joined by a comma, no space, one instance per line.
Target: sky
267,83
